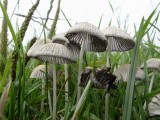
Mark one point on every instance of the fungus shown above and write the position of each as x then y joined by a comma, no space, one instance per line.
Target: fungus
61,39
89,38
118,40
55,53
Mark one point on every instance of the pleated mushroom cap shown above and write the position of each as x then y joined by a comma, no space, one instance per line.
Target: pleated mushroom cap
154,106
94,39
118,39
61,39
55,53
152,64
36,47
40,72
123,72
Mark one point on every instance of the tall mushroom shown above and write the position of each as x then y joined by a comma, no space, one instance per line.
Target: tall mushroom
153,64
118,40
40,73
89,38
61,39
55,53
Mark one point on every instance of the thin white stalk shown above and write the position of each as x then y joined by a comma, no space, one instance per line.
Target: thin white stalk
43,93
66,85
54,91
151,83
80,70
107,94
106,105
50,104
82,98
108,57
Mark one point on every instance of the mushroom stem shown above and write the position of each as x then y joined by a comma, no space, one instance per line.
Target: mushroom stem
50,103
108,57
54,91
79,70
43,93
66,85
151,83
106,105
107,94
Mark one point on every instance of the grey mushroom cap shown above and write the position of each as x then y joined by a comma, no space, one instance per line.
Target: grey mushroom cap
36,47
55,53
118,39
154,106
123,72
93,38
152,64
61,39
40,72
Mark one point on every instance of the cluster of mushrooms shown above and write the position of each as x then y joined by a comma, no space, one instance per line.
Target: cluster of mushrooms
67,48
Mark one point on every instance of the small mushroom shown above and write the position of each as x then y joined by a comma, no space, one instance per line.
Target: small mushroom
154,106
118,40
122,73
61,39
40,73
36,47
153,64
55,53
89,38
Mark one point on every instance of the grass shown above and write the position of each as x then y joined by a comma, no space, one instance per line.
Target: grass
126,101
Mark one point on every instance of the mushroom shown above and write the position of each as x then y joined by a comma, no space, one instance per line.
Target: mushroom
154,106
55,53
153,64
61,39
37,46
122,73
89,38
118,40
40,73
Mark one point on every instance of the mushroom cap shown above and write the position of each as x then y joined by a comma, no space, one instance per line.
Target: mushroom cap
152,64
55,53
118,39
123,72
154,106
40,72
61,39
36,47
94,39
